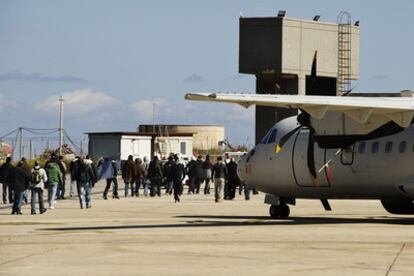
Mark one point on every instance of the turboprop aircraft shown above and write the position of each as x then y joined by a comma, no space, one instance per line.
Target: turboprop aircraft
359,146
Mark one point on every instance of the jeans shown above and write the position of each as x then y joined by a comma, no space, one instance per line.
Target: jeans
7,193
85,191
52,194
127,188
144,183
192,184
72,186
61,188
207,186
18,201
39,193
169,186
155,186
219,186
108,186
138,184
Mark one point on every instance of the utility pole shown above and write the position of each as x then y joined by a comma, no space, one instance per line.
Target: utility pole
61,126
20,142
30,149
153,117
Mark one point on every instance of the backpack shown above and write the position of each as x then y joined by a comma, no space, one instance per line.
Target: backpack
83,175
36,177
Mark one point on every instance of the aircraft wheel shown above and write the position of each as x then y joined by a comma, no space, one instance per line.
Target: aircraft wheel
281,211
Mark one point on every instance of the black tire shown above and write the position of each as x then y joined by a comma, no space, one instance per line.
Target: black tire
280,212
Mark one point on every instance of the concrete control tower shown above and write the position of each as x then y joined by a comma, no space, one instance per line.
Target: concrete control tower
279,51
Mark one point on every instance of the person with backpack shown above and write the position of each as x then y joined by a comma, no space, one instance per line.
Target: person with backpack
220,175
85,179
155,175
37,185
177,174
20,185
54,176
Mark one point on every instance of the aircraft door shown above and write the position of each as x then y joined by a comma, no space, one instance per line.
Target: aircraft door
302,161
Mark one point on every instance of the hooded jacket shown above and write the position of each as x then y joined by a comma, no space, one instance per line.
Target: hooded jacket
43,178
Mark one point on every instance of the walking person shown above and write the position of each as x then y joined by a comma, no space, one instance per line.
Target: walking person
37,185
233,179
200,174
140,174
192,174
155,175
128,174
219,174
73,166
178,174
207,166
54,176
20,184
62,185
7,178
114,169
85,179
168,175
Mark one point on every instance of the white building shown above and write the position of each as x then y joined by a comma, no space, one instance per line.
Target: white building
137,144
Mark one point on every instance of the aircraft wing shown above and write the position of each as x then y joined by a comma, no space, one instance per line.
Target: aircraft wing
360,109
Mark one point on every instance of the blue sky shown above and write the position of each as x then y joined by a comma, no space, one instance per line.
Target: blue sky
113,59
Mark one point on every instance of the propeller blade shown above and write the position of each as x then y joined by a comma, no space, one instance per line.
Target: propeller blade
311,154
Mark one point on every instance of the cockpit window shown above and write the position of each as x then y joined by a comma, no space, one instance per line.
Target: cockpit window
270,137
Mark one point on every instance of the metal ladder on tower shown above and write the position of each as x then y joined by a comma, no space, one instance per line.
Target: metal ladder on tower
343,83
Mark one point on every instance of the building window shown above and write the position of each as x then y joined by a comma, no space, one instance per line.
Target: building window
402,147
388,147
375,147
361,147
183,148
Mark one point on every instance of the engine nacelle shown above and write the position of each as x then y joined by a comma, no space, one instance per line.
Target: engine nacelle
398,206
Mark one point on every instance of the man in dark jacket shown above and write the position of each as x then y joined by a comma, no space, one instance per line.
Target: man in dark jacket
168,175
192,174
220,175
20,185
128,175
61,189
178,174
200,174
6,178
73,167
86,179
234,180
155,175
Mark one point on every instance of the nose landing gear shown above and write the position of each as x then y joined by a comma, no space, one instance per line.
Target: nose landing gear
280,211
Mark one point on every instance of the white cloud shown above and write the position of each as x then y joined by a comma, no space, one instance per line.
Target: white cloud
80,101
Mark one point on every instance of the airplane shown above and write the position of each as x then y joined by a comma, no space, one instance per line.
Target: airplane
358,146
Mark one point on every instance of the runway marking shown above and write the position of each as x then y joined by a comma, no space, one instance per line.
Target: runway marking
395,259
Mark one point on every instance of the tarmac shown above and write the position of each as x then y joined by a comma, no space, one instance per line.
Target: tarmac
155,236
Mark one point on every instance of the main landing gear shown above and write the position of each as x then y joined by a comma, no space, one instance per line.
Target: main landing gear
280,211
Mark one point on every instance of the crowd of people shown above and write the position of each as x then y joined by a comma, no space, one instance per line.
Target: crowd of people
172,174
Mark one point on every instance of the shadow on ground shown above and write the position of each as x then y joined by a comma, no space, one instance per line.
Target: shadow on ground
229,221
